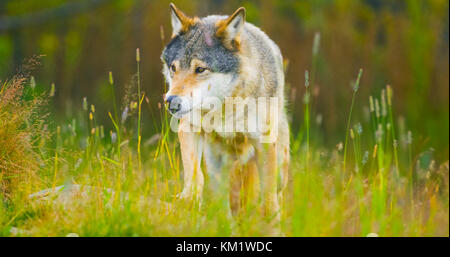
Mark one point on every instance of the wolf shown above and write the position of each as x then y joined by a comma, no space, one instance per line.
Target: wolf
226,57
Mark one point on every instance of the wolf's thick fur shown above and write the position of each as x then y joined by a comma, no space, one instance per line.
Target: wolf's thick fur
224,56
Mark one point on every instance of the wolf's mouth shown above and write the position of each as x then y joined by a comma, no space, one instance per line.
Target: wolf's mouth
180,114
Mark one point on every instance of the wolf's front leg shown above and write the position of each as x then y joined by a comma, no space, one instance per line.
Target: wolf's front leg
191,144
271,206
244,186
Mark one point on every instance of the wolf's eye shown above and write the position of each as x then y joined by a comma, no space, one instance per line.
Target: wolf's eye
173,68
199,70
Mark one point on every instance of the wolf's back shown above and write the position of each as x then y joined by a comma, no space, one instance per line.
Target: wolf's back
266,55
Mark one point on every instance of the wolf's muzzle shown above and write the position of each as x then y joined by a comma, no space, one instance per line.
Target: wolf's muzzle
174,103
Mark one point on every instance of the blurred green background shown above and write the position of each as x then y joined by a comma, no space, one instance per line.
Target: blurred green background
401,43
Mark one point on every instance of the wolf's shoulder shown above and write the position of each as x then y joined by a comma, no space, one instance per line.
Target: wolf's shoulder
261,43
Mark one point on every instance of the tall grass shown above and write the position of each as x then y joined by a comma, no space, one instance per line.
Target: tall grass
22,132
140,100
355,90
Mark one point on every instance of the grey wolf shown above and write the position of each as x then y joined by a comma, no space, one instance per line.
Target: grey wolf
222,57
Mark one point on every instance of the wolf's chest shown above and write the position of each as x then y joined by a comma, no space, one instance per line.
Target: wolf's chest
238,145
234,127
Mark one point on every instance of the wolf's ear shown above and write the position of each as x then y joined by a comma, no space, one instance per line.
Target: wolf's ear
231,27
180,22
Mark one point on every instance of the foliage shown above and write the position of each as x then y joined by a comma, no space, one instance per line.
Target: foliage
357,166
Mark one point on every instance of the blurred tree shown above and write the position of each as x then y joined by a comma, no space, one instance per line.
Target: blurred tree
402,43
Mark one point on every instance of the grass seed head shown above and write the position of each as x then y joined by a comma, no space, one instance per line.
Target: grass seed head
356,85
316,44
319,119
377,108
375,149
138,55
383,103
52,90
113,136
161,34
371,105
340,146
409,138
85,104
124,115
306,78
111,79
358,128
365,158
379,133
133,105
389,95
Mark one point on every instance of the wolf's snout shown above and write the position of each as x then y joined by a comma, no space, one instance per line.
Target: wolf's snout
174,103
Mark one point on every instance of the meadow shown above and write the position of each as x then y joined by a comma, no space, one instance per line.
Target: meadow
115,183
93,154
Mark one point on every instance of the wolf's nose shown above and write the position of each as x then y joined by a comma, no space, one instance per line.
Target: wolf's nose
174,103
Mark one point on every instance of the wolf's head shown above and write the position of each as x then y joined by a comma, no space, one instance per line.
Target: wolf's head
202,57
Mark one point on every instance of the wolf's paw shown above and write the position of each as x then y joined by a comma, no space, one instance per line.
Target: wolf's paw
184,195
189,197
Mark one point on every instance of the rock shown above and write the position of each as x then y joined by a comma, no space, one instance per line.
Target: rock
17,231
71,195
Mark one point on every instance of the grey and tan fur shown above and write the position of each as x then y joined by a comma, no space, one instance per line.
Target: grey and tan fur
224,56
